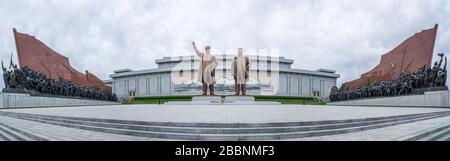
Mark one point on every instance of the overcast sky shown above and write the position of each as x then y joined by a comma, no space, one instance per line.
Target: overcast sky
348,36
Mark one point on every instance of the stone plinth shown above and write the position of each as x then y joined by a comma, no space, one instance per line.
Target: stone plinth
207,98
246,100
228,100
239,98
428,99
199,100
20,100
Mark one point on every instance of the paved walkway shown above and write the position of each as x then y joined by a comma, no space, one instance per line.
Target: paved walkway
393,133
227,113
59,133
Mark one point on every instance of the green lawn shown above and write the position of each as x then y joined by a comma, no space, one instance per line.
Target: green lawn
282,99
291,100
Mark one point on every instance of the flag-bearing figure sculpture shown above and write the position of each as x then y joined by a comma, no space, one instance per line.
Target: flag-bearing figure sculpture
408,83
26,80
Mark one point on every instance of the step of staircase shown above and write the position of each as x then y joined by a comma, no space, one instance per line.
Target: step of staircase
231,137
28,128
213,131
13,134
209,130
442,136
5,136
431,135
221,125
443,132
60,133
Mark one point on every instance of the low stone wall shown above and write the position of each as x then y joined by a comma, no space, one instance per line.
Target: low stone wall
428,99
18,100
218,100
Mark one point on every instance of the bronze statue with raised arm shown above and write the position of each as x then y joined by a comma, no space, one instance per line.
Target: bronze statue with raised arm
206,70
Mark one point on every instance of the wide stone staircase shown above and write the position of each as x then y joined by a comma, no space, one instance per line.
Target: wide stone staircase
10,133
218,131
437,134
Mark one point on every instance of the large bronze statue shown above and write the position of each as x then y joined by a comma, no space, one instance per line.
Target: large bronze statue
206,70
240,70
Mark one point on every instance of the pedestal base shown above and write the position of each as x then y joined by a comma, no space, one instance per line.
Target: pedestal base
239,98
218,100
207,99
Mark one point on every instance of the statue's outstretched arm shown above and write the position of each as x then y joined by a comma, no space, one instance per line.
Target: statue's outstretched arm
196,50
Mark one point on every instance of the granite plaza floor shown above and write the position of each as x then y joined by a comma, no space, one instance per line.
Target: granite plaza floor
226,114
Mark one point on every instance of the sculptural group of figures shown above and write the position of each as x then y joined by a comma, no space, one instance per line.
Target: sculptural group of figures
407,84
29,80
240,70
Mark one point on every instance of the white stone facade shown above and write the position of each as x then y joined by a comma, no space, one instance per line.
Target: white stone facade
268,76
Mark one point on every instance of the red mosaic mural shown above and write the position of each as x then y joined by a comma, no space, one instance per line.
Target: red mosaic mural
40,58
409,56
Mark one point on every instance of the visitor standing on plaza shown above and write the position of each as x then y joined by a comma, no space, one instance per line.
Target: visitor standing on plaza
240,70
206,71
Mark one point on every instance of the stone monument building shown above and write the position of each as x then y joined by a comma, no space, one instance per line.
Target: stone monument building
178,76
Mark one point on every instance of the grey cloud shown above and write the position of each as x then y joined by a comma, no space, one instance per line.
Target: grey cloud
101,36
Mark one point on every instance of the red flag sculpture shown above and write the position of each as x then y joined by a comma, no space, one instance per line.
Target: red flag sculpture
40,58
412,54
